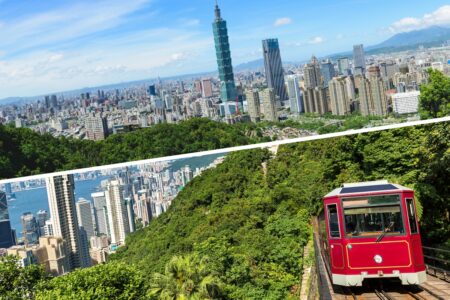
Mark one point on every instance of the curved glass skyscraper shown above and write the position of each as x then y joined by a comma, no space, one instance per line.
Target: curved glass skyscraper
227,85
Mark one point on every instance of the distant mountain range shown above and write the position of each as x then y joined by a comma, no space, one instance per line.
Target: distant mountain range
434,35
428,37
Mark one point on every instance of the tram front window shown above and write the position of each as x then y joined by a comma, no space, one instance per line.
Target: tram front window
372,220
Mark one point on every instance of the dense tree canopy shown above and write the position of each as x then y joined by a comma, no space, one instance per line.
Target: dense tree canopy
435,96
17,282
24,152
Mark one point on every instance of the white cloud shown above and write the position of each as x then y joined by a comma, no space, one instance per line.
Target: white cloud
55,57
440,17
316,40
66,23
190,22
282,22
340,36
41,72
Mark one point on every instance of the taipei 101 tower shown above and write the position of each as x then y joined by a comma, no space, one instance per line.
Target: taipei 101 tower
227,86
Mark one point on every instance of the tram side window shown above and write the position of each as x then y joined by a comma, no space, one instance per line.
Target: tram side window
411,216
333,221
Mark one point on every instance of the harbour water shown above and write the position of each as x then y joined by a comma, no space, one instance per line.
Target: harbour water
36,199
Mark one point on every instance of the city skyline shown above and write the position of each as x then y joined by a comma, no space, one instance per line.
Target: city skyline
100,44
89,187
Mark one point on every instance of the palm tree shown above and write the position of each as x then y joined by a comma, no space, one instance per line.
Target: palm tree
185,278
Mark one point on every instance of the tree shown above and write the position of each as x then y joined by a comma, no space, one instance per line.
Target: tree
17,282
107,281
435,96
186,277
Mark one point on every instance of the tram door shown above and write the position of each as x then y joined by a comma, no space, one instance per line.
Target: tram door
416,243
336,247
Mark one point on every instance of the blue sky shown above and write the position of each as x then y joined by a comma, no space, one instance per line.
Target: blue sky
50,46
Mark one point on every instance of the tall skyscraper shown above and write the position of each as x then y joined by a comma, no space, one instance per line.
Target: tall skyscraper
253,105
269,103
47,102
6,234
41,217
152,90
359,59
295,96
100,213
30,229
53,101
311,73
117,212
129,203
84,215
327,71
223,53
274,68
343,66
84,243
61,200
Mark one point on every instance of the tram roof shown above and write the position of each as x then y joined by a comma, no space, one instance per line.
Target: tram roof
367,187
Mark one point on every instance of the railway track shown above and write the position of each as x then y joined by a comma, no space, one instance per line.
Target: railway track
392,292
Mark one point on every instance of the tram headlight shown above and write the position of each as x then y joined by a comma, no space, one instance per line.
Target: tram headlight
378,259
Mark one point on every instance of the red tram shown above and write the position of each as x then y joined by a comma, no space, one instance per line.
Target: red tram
370,230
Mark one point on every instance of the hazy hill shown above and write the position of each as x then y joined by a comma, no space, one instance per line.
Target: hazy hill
434,34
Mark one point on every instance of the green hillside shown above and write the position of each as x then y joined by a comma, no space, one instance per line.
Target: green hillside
24,152
235,211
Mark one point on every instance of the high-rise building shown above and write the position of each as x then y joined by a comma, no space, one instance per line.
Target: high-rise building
253,105
53,101
152,90
274,68
207,90
327,71
61,200
41,217
48,228
343,66
100,213
295,96
311,74
117,212
223,53
30,229
52,254
96,127
47,102
84,242
8,188
359,59
6,234
129,203
315,100
372,96
84,215
340,99
269,103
